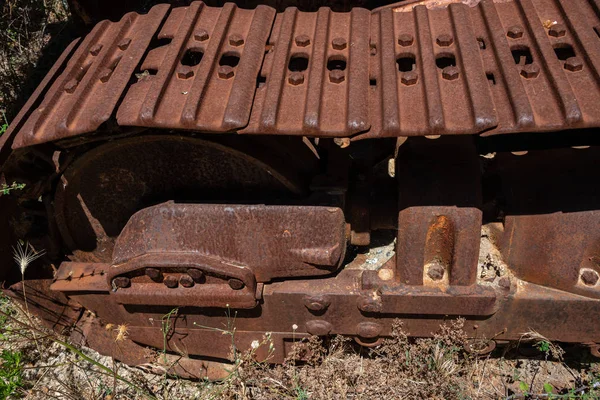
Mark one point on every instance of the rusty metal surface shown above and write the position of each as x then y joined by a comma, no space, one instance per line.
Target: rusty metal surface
489,68
270,241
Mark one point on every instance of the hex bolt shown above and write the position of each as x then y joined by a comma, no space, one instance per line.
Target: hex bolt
515,32
124,44
409,78
225,72
589,277
154,273
530,71
71,86
302,40
368,330
236,284
450,73
435,271
573,64
121,282
201,35
185,72
170,281
369,304
236,40
557,30
316,303
337,76
339,43
444,40
504,283
196,274
95,50
186,281
405,40
296,78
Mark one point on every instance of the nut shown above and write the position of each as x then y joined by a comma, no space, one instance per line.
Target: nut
515,32
530,71
154,274
589,277
196,274
201,35
435,271
337,76
302,40
573,64
444,40
105,75
368,330
170,281
339,43
186,280
296,78
71,86
405,39
121,282
450,73
95,50
317,302
409,78
557,30
236,284
124,44
369,304
185,72
318,328
225,72
236,40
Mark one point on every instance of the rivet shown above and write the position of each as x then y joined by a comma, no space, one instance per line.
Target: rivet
369,330
170,281
316,302
236,284
186,281
318,328
121,282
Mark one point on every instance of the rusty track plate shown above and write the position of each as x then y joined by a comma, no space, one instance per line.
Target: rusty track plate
206,76
485,68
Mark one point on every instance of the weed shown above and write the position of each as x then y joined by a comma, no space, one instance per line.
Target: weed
4,126
11,373
6,189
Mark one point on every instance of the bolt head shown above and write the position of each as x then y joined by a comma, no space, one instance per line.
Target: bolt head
201,35
589,277
226,72
435,271
337,76
121,282
95,50
405,39
296,78
318,327
557,30
153,273
573,64
105,75
185,72
369,304
124,44
515,32
186,281
450,73
409,78
236,284
530,71
444,40
369,330
316,303
339,43
302,40
170,281
236,40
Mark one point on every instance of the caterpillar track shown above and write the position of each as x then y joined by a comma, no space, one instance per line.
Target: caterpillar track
313,173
